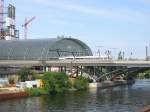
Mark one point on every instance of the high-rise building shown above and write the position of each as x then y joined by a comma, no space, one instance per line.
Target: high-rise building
1,12
2,34
7,22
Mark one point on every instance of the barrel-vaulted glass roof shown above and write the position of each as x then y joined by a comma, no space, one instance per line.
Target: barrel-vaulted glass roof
42,49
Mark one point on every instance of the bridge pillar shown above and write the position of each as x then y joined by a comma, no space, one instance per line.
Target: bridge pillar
93,71
45,69
101,68
60,68
77,73
64,69
49,68
81,70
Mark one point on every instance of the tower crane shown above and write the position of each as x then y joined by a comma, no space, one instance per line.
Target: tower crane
25,25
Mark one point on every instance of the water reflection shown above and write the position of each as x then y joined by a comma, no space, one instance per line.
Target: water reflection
118,99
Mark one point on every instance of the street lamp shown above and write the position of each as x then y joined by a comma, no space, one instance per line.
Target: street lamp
114,52
130,55
108,53
99,51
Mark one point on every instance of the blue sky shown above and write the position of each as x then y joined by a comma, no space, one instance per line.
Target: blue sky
114,24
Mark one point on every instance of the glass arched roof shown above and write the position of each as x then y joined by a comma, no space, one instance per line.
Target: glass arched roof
42,49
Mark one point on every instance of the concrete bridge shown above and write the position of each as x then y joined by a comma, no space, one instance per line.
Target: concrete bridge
76,62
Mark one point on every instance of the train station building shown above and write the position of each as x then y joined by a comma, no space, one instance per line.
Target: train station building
40,49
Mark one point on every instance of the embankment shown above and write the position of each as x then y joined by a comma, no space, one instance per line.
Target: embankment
106,84
10,95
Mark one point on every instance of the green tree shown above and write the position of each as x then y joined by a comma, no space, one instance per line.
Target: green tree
33,75
24,73
56,82
147,74
81,83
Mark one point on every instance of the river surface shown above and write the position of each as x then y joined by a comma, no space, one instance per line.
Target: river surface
129,98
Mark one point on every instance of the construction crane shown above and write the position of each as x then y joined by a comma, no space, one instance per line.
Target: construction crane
25,25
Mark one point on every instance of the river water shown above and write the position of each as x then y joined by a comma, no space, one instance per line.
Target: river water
129,98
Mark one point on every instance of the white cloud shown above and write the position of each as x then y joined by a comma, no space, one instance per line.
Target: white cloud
114,14
147,2
40,1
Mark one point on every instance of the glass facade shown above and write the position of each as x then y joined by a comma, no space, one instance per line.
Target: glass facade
42,49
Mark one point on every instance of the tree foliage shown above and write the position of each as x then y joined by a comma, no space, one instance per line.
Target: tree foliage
11,80
81,83
26,74
145,74
56,82
36,91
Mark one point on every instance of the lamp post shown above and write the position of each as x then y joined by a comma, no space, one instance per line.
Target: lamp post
130,55
99,51
146,52
108,53
114,52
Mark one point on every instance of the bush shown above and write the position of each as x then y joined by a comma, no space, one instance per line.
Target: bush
81,83
147,75
56,82
11,80
35,91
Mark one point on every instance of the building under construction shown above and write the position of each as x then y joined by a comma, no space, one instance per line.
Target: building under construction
7,22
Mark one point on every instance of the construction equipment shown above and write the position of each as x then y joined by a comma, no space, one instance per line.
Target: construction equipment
25,25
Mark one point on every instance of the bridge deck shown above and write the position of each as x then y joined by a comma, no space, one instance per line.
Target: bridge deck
76,62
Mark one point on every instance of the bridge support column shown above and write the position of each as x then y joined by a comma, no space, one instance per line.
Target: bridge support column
81,70
101,68
60,68
45,68
77,73
49,68
94,71
65,69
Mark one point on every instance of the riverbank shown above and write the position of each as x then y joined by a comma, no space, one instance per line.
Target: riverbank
106,84
13,93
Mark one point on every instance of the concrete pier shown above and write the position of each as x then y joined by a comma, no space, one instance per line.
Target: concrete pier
109,84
